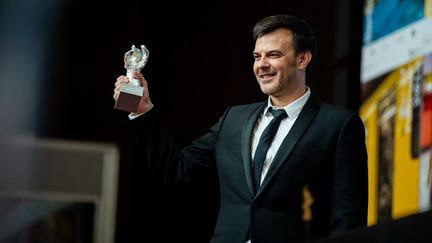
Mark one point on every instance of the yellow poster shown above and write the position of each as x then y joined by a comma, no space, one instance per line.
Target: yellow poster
392,138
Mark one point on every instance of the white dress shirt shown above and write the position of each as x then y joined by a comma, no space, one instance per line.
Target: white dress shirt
292,110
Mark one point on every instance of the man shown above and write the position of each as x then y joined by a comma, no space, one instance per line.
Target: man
316,161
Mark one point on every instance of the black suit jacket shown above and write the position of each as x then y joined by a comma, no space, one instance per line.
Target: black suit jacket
324,150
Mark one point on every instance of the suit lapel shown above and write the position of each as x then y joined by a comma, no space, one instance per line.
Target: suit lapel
303,120
246,143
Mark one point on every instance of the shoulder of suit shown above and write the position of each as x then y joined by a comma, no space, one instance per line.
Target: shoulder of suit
244,109
248,106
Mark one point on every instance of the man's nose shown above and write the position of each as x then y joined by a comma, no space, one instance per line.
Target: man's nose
263,63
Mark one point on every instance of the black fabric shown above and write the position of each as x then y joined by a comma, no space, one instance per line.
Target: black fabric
264,143
324,150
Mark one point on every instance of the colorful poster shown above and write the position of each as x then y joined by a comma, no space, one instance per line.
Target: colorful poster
396,76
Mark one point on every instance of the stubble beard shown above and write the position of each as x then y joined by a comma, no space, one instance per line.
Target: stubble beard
271,87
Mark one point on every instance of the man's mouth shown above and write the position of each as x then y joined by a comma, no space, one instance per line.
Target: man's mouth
267,76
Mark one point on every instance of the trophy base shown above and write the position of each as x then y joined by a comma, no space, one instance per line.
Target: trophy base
129,98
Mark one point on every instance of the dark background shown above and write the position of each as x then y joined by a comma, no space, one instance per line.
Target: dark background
200,63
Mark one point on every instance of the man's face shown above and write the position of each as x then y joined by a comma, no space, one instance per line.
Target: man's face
275,65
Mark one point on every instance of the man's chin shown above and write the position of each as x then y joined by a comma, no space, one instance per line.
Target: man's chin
266,91
266,87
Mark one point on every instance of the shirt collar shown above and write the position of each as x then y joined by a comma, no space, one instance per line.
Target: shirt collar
292,109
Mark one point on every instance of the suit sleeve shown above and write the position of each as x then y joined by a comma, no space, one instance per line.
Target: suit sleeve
350,187
157,149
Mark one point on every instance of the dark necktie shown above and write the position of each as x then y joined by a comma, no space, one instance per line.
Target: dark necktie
264,143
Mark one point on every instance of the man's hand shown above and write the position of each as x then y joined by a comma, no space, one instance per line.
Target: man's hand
145,103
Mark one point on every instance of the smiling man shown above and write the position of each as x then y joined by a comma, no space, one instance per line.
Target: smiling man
270,154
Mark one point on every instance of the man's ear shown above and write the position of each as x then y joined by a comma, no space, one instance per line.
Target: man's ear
303,59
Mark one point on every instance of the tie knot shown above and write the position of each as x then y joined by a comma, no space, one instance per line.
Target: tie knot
279,114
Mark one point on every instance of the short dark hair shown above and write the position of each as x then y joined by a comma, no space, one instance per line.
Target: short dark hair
303,35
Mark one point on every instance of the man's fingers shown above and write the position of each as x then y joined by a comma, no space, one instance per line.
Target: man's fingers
140,77
121,79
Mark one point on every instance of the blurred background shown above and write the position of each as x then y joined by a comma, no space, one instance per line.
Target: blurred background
67,170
